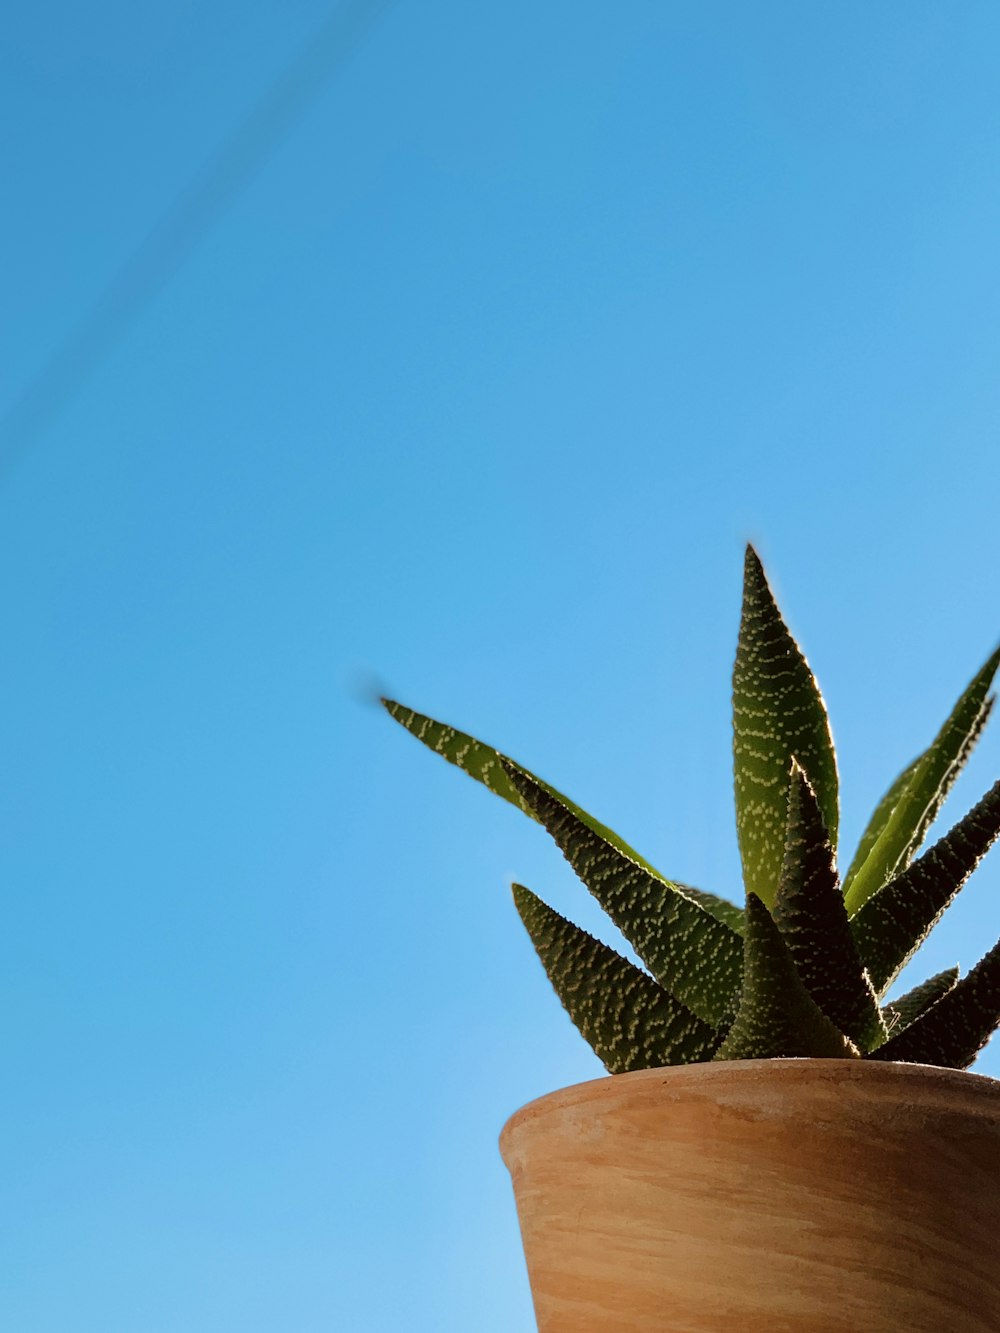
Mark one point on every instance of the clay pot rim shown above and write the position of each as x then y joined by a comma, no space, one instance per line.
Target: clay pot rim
973,1094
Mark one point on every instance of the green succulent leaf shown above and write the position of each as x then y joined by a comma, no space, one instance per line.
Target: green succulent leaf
890,800
933,810
922,794
800,971
721,908
901,1012
809,911
892,924
689,951
777,1017
778,713
486,765
879,819
480,761
629,1021
955,1029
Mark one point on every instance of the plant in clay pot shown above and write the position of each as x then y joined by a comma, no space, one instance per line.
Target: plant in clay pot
780,1146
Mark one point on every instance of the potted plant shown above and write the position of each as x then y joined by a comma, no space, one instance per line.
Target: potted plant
779,1146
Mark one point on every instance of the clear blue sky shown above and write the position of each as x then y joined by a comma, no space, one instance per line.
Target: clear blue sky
531,319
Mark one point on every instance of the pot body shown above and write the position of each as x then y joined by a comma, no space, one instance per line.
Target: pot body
807,1196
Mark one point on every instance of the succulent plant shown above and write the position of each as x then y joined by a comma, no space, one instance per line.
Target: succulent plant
805,967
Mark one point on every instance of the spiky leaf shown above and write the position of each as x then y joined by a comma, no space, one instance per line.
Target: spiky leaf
486,765
778,712
901,1012
879,819
953,1031
630,1021
890,800
480,761
721,908
776,1017
892,924
697,957
809,911
923,793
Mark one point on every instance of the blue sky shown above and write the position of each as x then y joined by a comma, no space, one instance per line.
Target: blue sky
534,316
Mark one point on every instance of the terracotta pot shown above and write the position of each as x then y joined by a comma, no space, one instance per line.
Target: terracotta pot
805,1195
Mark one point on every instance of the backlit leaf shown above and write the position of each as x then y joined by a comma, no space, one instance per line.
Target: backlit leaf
810,913
778,713
630,1021
953,1031
892,925
923,792
777,1017
486,765
901,1012
890,800
697,957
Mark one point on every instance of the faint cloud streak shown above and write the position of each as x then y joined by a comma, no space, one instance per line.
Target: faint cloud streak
182,228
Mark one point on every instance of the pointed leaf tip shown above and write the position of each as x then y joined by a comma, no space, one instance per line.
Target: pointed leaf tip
473,757
777,1017
629,1021
692,952
896,920
904,814
955,1028
778,712
809,911
901,1012
883,811
753,567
